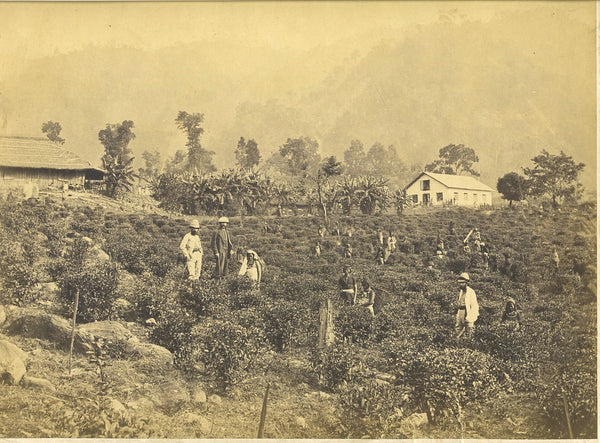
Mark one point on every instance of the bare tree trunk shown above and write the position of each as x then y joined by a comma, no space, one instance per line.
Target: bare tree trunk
74,324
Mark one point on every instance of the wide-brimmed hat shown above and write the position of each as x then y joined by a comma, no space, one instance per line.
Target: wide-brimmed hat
223,220
464,277
195,224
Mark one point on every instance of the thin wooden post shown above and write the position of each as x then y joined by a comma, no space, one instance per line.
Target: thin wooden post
564,396
263,414
326,336
74,324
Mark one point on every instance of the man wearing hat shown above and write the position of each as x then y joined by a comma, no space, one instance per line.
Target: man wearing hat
468,309
222,247
191,246
348,285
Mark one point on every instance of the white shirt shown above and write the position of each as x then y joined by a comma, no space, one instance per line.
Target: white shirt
191,243
470,301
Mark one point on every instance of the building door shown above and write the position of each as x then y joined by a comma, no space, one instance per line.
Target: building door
426,199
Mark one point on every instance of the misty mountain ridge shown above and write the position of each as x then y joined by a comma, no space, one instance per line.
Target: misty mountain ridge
471,83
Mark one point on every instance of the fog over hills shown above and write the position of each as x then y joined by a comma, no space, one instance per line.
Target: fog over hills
505,87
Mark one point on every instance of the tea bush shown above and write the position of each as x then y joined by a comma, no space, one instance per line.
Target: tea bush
288,324
372,407
19,277
335,365
354,323
577,386
448,379
227,349
97,286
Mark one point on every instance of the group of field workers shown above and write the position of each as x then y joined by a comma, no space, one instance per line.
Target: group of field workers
251,265
467,306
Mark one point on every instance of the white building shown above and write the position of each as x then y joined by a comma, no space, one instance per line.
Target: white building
431,189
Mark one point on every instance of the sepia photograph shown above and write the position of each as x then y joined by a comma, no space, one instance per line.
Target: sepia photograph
298,220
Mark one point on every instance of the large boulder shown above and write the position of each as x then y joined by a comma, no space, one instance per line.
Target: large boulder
119,342
45,326
150,355
12,363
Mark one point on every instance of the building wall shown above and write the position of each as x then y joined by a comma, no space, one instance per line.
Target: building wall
438,194
44,178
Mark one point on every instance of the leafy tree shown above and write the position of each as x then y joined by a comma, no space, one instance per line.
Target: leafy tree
177,163
117,158
554,175
152,165
347,193
512,186
455,159
247,154
300,154
355,159
199,159
52,131
373,194
325,191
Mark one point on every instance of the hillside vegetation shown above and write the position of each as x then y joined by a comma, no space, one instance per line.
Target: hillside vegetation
400,374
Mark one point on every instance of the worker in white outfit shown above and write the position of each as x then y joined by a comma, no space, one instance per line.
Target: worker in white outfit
468,308
191,246
252,267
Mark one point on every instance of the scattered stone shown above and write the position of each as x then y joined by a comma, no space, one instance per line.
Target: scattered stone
12,363
300,422
2,315
116,406
205,426
38,383
416,420
170,395
96,255
150,322
141,403
295,364
215,399
385,377
323,395
87,240
198,396
124,309
49,290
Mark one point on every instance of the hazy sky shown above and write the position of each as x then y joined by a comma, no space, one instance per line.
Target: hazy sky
272,70
34,30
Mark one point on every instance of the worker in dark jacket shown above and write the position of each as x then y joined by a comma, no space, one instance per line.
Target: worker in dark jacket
348,285
222,246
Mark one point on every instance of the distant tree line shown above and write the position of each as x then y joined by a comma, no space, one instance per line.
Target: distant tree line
296,174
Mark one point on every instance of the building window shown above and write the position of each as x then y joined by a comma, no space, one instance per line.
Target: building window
439,196
425,185
475,198
415,198
455,196
483,196
466,196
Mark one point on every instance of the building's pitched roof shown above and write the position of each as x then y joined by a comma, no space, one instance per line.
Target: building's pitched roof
38,153
455,181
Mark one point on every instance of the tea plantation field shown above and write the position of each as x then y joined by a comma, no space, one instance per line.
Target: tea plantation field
400,374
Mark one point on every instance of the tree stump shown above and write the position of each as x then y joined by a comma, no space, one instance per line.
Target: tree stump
326,336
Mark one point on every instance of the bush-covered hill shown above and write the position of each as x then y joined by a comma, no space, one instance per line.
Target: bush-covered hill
232,339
